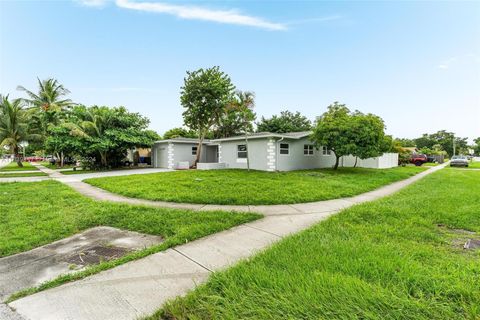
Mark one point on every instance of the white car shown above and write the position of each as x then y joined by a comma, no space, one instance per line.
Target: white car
459,161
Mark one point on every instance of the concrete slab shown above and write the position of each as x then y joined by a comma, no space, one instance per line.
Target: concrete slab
212,207
227,247
129,291
287,224
31,268
280,209
322,206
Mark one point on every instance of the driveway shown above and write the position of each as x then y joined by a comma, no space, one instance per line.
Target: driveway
114,173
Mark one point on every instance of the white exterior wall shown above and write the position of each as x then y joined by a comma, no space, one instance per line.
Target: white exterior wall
258,154
169,154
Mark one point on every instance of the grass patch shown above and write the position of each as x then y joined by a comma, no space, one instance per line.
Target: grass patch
14,174
241,187
430,164
475,165
34,214
395,258
13,166
49,165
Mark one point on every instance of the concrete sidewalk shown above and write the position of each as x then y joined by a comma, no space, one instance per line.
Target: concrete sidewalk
140,287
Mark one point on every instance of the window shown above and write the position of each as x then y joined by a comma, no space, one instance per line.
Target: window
326,152
242,151
194,151
308,149
284,148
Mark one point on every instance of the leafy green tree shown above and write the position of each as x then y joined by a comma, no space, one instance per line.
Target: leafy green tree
369,135
204,96
285,122
404,142
476,146
179,133
14,127
351,133
62,143
445,139
335,130
110,132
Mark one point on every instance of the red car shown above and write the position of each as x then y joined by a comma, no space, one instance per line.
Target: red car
33,159
418,159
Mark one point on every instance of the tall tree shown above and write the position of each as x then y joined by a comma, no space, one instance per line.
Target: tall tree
241,109
285,122
14,126
204,96
47,103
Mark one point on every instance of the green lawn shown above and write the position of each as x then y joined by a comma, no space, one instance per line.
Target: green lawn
252,187
14,174
33,214
430,164
55,167
13,166
401,257
474,165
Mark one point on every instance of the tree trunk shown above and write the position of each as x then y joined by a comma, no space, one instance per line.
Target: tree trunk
248,151
16,154
62,159
103,156
199,150
355,165
337,160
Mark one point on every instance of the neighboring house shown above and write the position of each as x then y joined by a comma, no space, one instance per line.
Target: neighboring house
268,152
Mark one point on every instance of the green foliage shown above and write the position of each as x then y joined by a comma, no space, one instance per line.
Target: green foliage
47,105
400,257
107,133
238,117
285,122
179,133
403,142
345,132
242,187
14,128
476,146
445,140
204,97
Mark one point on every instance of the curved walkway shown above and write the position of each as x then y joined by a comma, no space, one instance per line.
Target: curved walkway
138,288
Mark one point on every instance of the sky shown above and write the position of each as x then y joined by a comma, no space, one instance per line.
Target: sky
416,64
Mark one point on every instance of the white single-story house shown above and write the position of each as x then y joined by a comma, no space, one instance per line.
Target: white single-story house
266,151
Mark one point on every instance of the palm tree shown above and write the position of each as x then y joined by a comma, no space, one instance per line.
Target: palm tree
13,126
243,103
98,120
49,96
49,102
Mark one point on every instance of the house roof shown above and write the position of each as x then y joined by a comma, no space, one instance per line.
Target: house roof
257,135
182,140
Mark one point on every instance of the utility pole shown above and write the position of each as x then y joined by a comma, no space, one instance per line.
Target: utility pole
453,145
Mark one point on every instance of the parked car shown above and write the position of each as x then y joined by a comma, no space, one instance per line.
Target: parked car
418,159
33,159
459,161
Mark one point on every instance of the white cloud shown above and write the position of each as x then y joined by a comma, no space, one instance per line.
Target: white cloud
92,3
198,13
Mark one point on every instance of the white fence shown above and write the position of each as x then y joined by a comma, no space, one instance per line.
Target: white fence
387,160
